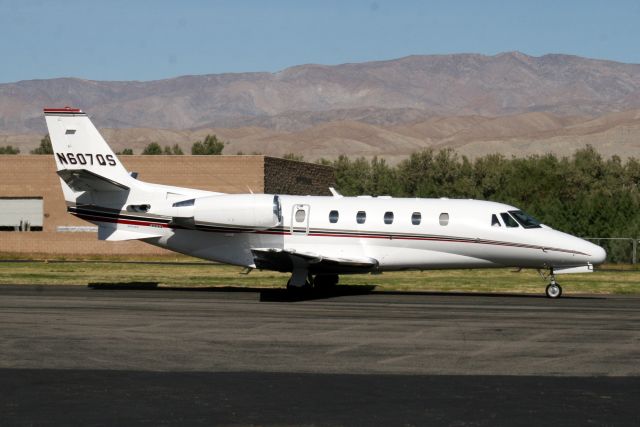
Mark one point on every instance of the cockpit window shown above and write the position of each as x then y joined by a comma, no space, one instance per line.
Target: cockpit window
525,220
508,220
494,221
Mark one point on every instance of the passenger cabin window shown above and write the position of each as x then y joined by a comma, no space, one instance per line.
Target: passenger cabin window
361,217
388,217
333,217
416,217
444,218
508,220
300,215
494,221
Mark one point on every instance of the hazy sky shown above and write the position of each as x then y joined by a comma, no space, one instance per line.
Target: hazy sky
146,40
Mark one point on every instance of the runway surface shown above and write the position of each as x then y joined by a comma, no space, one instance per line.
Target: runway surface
74,355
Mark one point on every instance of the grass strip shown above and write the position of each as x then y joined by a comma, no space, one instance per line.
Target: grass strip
186,273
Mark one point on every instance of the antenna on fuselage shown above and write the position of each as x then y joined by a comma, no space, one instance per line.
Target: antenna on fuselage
334,192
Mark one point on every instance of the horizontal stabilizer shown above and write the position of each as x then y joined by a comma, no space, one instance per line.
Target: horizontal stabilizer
116,234
284,259
84,180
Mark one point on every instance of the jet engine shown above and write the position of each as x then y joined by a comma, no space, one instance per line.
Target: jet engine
260,211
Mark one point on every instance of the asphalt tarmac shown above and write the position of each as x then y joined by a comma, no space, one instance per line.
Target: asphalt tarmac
112,356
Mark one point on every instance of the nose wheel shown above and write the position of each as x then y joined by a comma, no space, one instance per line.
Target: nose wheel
553,290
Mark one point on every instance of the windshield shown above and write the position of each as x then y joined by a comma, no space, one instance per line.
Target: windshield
525,220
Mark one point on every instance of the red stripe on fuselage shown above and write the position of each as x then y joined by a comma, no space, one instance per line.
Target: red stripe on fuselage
120,221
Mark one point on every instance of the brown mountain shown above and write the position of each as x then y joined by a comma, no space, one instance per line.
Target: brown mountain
520,134
383,94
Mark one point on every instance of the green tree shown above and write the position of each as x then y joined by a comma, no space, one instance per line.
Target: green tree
45,146
175,150
584,194
152,149
293,156
9,150
210,146
125,152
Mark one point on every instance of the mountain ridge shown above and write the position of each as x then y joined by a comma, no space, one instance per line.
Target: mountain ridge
301,96
523,134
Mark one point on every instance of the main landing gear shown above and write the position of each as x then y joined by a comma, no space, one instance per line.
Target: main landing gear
319,282
553,290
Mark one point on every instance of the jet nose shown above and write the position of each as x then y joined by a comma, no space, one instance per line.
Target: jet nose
598,254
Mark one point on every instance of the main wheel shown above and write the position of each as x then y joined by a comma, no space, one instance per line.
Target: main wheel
326,281
553,290
308,284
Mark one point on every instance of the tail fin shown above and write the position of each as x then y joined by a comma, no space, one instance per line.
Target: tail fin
84,160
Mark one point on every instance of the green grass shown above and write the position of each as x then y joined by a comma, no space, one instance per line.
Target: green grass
202,274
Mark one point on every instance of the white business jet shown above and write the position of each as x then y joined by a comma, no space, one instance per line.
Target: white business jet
315,238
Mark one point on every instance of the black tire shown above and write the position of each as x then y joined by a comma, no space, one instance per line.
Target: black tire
553,291
308,285
326,281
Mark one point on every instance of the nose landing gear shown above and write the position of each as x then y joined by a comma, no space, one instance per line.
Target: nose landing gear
553,290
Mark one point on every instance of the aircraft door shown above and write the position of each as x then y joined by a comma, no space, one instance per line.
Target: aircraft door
300,219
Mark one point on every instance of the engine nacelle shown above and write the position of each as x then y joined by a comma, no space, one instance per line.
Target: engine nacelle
260,211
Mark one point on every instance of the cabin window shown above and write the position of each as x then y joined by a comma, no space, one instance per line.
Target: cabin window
494,221
333,217
416,217
525,220
184,203
361,217
388,217
444,218
301,214
508,220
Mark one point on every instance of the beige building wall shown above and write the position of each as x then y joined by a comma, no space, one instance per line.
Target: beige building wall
35,176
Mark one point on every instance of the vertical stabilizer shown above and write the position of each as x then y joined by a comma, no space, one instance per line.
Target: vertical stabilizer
83,159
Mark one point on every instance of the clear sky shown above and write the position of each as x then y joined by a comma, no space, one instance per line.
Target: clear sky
147,40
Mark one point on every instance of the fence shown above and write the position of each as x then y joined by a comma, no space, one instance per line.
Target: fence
620,250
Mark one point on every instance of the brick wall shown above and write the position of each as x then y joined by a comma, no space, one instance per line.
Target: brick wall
290,177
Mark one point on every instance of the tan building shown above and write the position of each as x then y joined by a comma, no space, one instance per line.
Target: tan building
29,184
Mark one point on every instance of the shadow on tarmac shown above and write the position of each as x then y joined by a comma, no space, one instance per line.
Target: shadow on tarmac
288,295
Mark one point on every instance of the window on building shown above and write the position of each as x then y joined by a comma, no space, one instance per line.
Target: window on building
388,217
361,217
444,218
333,217
416,217
21,214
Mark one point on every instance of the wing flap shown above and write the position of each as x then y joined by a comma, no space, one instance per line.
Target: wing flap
115,234
284,259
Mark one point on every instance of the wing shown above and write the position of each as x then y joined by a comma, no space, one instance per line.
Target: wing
284,260
112,233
